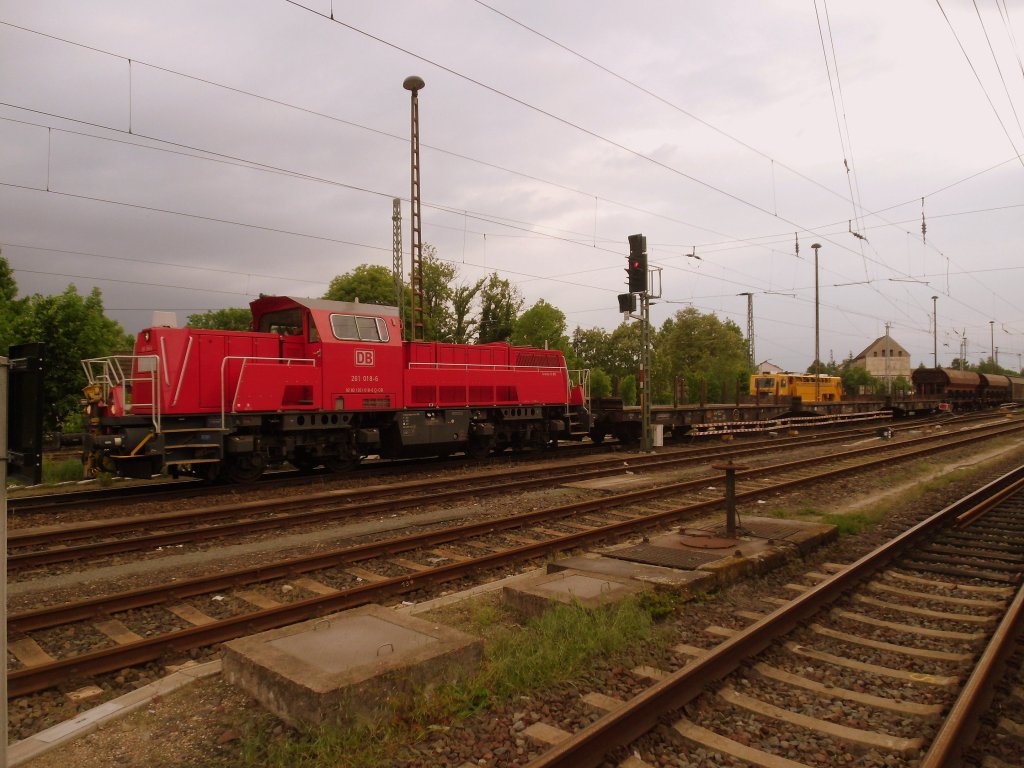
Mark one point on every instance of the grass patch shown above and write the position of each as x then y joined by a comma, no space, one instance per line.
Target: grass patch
855,522
355,746
552,649
558,646
847,523
61,471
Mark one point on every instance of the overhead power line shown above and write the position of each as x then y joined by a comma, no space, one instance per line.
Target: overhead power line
999,69
296,174
564,121
136,260
489,219
662,99
977,77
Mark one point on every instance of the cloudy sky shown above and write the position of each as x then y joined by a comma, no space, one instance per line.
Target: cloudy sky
190,155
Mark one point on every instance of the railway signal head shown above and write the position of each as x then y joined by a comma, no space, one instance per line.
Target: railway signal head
637,264
627,302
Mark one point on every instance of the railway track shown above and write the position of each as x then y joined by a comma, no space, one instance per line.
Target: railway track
858,669
35,548
24,504
130,628
283,479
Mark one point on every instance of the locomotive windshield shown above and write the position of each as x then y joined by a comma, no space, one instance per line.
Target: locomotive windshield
286,321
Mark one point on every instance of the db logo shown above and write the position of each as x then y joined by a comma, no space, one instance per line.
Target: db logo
364,358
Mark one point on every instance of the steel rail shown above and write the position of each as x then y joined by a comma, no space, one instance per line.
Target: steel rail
961,725
22,504
588,748
31,679
488,480
187,487
33,536
527,478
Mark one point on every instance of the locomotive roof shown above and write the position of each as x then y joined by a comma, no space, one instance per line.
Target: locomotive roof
348,307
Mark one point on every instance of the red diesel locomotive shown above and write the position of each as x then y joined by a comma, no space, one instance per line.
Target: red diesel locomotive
318,382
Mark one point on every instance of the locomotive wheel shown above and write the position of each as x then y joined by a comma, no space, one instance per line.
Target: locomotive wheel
479,447
597,437
342,463
211,472
246,467
304,462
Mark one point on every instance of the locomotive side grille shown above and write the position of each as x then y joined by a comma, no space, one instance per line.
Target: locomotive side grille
479,395
453,394
424,394
376,402
539,359
506,394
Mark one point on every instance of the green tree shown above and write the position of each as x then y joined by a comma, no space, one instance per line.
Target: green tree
600,383
988,365
464,325
74,329
623,357
448,306
367,283
857,380
592,348
542,325
628,390
8,286
10,307
500,304
699,348
827,369
438,289
232,319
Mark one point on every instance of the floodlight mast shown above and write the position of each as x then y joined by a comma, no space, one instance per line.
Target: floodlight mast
817,353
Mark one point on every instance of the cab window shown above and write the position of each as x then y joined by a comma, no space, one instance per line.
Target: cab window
359,328
287,322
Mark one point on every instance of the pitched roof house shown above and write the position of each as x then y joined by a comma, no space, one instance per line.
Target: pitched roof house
884,359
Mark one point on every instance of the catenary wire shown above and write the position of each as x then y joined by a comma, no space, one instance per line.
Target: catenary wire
382,249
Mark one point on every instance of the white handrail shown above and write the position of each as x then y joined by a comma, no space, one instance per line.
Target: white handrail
579,377
109,373
486,366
